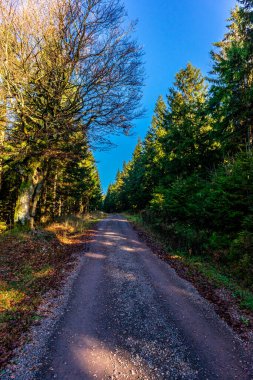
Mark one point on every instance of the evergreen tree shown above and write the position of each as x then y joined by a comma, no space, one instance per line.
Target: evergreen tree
61,84
188,145
232,93
153,150
192,176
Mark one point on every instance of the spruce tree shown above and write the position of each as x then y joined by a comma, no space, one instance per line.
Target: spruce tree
232,94
187,143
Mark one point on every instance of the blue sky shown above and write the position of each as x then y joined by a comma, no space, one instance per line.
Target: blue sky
172,33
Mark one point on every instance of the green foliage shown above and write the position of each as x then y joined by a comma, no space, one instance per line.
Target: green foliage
54,103
187,143
241,256
218,273
232,93
192,175
3,227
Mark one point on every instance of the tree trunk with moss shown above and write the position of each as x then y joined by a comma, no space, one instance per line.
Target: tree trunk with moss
29,195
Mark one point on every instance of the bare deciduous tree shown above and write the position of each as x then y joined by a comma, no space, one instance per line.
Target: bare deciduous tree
68,67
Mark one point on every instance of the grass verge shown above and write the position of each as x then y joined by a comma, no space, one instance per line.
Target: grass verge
32,263
233,302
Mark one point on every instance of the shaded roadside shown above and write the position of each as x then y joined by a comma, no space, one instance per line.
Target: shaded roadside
34,263
227,304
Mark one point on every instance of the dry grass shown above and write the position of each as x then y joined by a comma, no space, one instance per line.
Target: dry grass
31,264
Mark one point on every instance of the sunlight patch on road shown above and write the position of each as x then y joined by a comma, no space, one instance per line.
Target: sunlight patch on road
128,249
97,256
100,362
120,274
93,358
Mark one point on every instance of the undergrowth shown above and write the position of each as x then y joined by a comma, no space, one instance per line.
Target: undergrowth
217,273
32,263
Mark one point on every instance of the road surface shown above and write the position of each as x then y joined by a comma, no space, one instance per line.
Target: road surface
130,316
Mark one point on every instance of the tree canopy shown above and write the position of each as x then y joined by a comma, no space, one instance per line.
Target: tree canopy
70,74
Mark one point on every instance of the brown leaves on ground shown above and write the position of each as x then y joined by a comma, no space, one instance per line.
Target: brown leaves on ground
31,264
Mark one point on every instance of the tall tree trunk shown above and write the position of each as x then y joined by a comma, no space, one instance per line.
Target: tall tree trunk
22,209
29,195
60,207
81,207
34,202
43,202
55,192
3,123
1,160
249,139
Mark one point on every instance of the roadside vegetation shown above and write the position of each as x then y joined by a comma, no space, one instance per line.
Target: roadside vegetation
214,271
232,301
70,75
191,179
32,263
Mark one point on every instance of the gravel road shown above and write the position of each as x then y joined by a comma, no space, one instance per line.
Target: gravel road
130,316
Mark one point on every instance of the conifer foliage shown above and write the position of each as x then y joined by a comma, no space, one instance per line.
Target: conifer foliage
191,177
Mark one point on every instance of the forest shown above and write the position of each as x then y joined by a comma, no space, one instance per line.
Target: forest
70,75
191,178
83,292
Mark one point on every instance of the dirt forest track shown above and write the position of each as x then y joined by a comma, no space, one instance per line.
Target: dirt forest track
130,316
